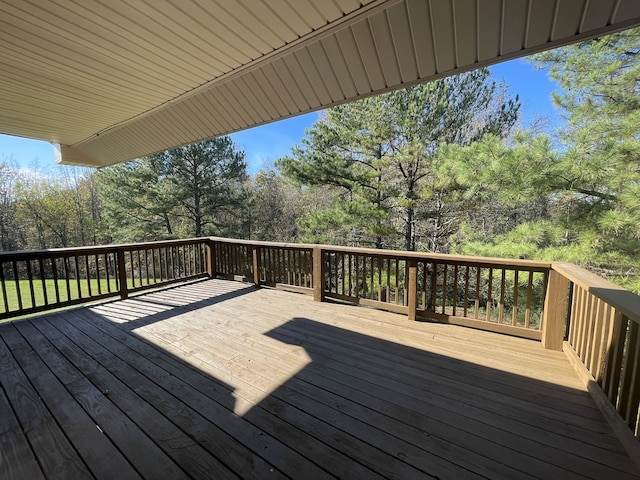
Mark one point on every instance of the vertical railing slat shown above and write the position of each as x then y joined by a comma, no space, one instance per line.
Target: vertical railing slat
43,279
503,279
527,317
30,280
5,298
444,288
489,295
466,291
514,315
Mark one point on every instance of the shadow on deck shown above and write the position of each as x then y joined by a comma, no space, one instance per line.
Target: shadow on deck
219,380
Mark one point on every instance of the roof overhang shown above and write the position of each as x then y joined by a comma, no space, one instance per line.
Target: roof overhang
112,81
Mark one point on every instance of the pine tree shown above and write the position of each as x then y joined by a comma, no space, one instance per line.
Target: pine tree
590,183
207,180
381,155
194,190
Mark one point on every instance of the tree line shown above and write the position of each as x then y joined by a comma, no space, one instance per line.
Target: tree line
440,167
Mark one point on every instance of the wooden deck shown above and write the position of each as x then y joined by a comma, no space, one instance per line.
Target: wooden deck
219,380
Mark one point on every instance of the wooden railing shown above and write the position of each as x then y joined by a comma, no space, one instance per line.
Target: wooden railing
500,295
603,340
565,307
495,294
39,280
263,263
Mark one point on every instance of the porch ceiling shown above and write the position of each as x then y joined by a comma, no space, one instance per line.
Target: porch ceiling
112,81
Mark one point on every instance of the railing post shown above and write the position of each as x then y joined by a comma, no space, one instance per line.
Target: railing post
256,265
411,287
211,259
122,273
555,311
318,274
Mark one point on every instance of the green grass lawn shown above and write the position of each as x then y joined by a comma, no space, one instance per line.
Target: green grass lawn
50,286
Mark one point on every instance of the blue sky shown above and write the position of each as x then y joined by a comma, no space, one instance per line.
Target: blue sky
263,145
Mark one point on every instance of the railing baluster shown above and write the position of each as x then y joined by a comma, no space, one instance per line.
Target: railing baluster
424,285
476,309
601,345
630,386
54,269
466,291
584,330
43,279
454,300
516,284
527,318
30,280
146,266
503,279
444,288
380,279
67,279
88,272
397,281
594,337
373,288
579,317
5,299
364,277
489,298
16,280
77,272
434,286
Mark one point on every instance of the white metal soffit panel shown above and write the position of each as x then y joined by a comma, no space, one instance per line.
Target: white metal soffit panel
115,80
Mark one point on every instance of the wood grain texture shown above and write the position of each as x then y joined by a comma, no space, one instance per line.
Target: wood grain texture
215,379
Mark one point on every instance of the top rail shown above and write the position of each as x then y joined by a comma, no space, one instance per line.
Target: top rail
614,295
461,259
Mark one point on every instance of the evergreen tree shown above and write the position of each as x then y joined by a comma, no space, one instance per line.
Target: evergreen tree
138,201
207,180
591,184
381,154
189,191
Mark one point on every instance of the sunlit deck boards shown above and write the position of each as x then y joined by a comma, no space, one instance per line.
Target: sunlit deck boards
219,380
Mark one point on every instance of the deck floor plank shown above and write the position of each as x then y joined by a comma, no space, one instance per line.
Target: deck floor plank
201,343
17,460
455,405
297,438
193,432
130,439
175,443
218,379
55,453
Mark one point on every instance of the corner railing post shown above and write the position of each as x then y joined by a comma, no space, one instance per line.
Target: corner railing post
318,274
122,273
256,265
555,311
211,259
411,287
